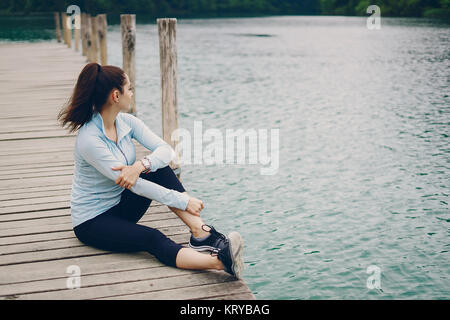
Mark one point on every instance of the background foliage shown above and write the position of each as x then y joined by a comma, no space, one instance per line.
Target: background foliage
186,8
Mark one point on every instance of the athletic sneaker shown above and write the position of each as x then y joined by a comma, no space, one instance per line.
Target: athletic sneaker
214,242
231,255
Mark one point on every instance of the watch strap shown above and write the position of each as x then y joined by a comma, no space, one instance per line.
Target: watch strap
147,165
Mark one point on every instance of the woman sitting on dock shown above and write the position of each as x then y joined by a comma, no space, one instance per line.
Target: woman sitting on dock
111,191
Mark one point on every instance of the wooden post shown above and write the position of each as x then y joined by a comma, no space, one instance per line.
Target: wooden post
88,36
76,31
68,30
57,25
101,36
64,25
128,28
168,64
94,39
83,34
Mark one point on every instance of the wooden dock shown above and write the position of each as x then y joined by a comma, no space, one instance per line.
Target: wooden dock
37,243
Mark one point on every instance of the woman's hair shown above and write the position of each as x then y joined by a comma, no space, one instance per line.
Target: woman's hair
91,92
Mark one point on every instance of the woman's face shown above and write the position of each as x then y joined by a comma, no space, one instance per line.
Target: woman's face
125,98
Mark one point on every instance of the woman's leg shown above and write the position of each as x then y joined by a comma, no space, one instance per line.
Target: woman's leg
134,206
194,223
108,232
167,178
111,233
116,230
188,258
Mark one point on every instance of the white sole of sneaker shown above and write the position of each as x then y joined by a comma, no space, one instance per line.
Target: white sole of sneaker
202,248
237,248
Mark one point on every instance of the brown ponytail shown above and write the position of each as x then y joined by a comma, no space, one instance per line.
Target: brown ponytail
91,92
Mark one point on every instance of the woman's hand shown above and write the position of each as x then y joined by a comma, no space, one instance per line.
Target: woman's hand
194,206
129,174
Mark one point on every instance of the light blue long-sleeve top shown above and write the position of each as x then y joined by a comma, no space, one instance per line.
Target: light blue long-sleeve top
94,190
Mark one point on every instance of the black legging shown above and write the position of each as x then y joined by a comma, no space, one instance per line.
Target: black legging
117,229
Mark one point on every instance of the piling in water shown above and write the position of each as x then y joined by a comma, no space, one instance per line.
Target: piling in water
101,37
168,65
57,26
128,30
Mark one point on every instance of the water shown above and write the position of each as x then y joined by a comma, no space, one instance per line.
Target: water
30,29
363,147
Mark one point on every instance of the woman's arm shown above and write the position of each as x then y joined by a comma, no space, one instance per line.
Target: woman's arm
162,152
97,154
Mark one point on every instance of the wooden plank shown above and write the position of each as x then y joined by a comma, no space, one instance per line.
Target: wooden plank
46,160
64,234
20,203
50,235
31,238
42,163
31,182
6,123
30,206
150,269
246,295
11,194
32,123
33,147
4,130
26,117
58,244
77,250
23,193
29,122
64,154
151,215
35,150
38,158
50,101
37,145
28,257
28,215
38,172
63,141
23,144
53,173
52,269
193,292
34,215
32,135
55,90
68,227
121,288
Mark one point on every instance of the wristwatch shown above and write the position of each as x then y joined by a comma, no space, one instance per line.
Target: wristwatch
147,165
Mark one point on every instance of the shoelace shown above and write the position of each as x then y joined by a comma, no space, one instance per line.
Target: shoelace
214,253
220,236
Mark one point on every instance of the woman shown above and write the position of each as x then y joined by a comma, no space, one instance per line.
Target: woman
111,190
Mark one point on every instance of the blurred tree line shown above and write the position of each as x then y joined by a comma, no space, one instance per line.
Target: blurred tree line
393,8
186,8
